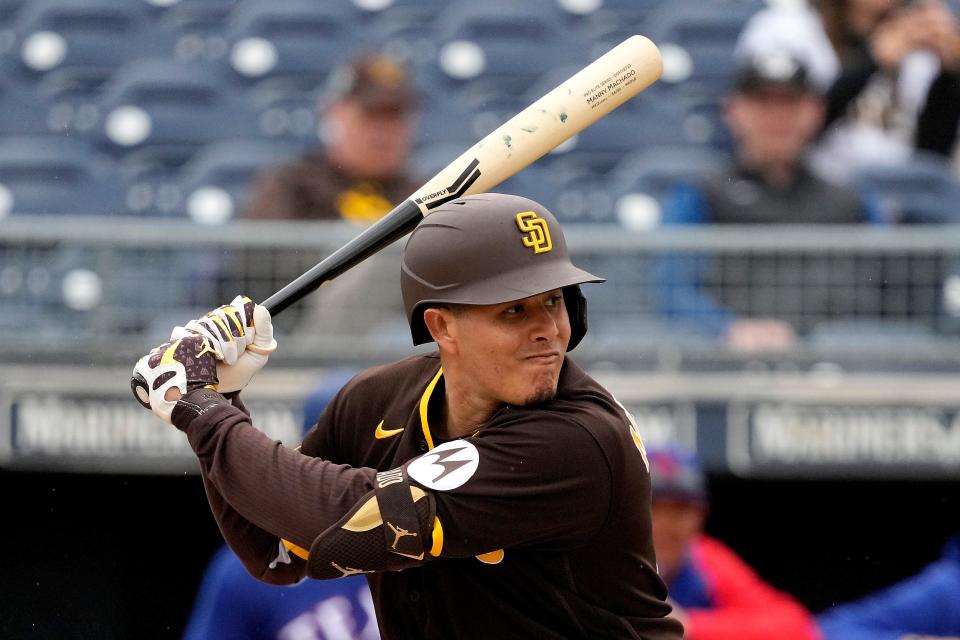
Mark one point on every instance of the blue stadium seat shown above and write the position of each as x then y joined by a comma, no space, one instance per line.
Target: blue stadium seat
446,120
640,181
697,40
9,10
642,121
626,11
580,196
20,112
504,43
36,281
84,39
161,111
217,179
406,29
534,182
300,40
428,158
922,191
197,28
489,109
56,174
285,111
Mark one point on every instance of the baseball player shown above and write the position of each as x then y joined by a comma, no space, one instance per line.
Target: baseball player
490,489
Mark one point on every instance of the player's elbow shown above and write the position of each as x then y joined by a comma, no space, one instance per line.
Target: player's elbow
281,575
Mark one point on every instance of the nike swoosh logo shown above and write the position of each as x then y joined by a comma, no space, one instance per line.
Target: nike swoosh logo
382,433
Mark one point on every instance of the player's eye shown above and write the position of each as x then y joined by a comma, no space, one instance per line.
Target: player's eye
555,300
514,310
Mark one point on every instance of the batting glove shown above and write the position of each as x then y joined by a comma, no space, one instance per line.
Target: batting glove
236,376
230,329
186,364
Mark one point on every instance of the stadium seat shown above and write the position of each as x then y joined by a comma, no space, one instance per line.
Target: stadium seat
430,157
446,120
626,11
19,110
85,39
640,181
197,28
534,182
406,28
56,174
284,110
503,43
580,196
215,182
160,111
922,191
300,40
697,40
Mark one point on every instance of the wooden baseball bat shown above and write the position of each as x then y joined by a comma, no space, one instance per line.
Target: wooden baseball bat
584,98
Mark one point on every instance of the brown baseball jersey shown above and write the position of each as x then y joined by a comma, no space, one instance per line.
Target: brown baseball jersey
536,526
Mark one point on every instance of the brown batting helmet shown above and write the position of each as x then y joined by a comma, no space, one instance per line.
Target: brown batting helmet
489,248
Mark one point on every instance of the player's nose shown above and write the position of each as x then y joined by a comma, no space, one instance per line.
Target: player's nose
544,323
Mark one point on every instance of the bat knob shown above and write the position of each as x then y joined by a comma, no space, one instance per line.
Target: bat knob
140,389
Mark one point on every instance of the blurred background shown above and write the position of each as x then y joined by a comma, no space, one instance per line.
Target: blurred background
812,367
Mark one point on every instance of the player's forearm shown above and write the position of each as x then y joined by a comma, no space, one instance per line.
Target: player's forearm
275,488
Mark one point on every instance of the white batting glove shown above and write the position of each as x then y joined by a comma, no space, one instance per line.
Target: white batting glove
186,364
242,335
236,376
230,329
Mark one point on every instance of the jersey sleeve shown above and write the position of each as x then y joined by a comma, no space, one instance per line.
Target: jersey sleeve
262,492
542,482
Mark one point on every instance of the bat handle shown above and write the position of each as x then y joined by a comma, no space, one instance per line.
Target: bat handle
385,231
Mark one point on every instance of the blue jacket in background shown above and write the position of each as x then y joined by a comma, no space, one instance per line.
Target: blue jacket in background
925,604
232,605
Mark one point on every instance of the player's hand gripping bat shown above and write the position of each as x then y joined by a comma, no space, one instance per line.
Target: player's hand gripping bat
581,100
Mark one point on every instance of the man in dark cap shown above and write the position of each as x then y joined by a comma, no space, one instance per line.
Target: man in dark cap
773,112
713,591
490,489
358,175
360,172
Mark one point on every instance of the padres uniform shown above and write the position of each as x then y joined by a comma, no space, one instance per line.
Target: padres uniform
537,526
534,524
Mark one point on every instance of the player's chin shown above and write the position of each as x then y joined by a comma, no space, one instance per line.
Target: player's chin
542,390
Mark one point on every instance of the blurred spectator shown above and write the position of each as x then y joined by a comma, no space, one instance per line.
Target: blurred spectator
924,606
890,69
232,605
358,174
714,593
773,113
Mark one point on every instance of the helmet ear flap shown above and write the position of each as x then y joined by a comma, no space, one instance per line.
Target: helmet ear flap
577,311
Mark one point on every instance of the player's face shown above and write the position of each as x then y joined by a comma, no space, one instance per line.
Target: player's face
675,524
513,352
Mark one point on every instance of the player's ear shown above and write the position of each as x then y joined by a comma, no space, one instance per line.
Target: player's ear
441,323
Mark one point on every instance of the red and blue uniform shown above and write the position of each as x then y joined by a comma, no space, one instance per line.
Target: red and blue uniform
725,599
